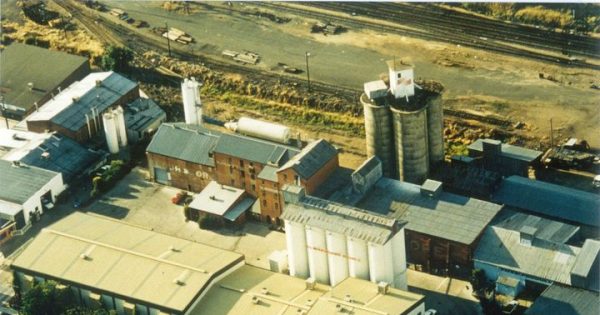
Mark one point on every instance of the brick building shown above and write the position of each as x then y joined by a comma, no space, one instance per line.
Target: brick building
189,157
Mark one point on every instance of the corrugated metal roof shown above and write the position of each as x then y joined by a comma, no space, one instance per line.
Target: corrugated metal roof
126,260
311,159
99,97
367,166
22,64
550,200
558,299
255,150
448,216
18,184
588,255
548,230
502,248
268,173
338,218
185,142
141,113
510,151
216,198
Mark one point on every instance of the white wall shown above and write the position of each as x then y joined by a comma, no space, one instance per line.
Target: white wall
295,237
399,260
337,257
358,259
318,264
55,185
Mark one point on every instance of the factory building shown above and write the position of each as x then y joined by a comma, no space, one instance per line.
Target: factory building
504,158
76,112
26,192
32,75
528,251
560,299
50,151
551,201
109,264
142,119
404,125
191,156
330,242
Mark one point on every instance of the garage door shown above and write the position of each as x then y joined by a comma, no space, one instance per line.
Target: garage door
161,175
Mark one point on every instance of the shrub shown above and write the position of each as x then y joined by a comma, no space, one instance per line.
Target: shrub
116,58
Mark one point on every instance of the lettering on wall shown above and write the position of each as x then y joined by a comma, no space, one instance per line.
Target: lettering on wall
323,250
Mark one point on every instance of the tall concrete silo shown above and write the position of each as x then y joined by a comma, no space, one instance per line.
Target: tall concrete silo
412,146
378,126
435,129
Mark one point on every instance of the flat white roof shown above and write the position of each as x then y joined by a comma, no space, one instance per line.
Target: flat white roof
216,198
9,208
13,139
65,98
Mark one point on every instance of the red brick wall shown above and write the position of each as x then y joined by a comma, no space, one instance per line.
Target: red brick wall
184,175
433,252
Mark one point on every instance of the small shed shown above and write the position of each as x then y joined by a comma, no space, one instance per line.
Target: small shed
228,204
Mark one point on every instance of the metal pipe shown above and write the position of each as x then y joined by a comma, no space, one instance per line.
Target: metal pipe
307,54
168,39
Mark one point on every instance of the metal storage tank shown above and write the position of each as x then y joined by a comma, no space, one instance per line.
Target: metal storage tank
337,257
358,259
295,237
399,259
317,254
412,145
380,263
192,106
263,130
110,131
435,130
121,128
379,135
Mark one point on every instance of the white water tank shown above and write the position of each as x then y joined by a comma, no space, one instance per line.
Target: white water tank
121,128
380,263
337,257
399,260
295,237
110,131
192,105
358,259
317,254
263,130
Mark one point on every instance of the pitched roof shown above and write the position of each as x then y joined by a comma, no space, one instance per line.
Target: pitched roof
255,150
544,229
586,265
509,151
311,159
558,299
126,260
463,218
59,154
22,64
545,260
18,184
338,218
141,113
222,200
268,173
550,200
185,142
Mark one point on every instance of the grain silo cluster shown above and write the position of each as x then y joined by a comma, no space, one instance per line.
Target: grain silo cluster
403,124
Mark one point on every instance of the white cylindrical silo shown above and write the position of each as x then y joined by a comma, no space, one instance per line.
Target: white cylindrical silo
337,257
110,131
191,103
380,263
399,260
317,254
121,128
295,237
358,259
263,130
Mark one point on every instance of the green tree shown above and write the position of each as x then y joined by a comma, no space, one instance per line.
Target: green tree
116,58
78,310
45,299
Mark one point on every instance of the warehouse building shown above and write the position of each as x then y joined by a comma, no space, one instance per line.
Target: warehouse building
526,250
558,299
330,242
142,118
551,201
45,74
108,263
504,158
442,228
52,152
250,290
76,112
26,192
225,203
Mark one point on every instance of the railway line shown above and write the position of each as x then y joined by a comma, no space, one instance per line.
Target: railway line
429,29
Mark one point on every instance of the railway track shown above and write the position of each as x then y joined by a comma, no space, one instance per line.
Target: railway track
428,29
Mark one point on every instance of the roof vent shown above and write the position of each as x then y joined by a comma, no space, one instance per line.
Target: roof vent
383,288
308,302
16,164
255,300
348,298
174,249
264,291
527,234
431,188
339,308
30,86
85,256
310,283
98,83
75,99
46,155
179,282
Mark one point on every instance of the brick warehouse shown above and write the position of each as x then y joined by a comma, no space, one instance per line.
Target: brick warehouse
189,157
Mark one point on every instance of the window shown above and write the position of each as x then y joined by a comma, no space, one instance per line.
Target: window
251,164
232,182
251,176
264,193
399,75
230,169
242,163
284,176
230,161
276,205
242,174
253,187
264,202
263,181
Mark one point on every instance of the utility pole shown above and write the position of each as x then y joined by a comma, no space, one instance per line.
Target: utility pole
307,54
168,39
551,135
